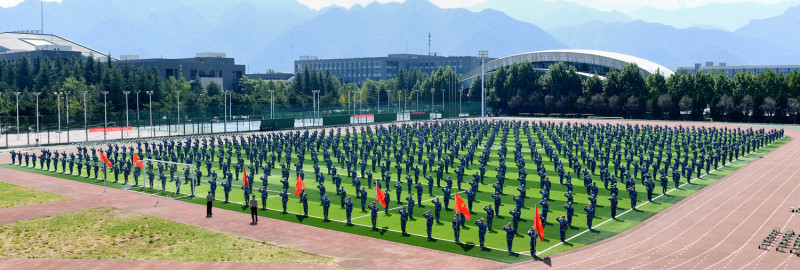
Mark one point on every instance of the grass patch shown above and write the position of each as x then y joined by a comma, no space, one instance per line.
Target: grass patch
389,224
110,233
13,195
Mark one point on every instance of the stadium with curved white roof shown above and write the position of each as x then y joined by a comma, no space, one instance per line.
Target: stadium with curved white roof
587,62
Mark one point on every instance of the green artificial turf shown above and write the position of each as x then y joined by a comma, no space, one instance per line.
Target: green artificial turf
13,195
389,224
109,233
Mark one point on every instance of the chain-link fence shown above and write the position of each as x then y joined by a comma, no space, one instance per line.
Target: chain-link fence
203,120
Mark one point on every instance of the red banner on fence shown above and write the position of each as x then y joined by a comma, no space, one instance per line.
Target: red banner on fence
363,116
418,113
109,129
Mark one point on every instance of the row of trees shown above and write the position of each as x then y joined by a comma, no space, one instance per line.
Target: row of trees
518,88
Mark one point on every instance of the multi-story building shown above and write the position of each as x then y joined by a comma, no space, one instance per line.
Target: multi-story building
730,71
206,67
358,70
33,44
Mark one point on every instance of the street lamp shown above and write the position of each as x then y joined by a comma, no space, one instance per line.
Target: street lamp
127,123
105,113
179,109
315,101
271,104
85,119
66,105
442,103
138,121
37,114
379,99
58,106
433,92
150,94
460,93
483,54
417,93
17,95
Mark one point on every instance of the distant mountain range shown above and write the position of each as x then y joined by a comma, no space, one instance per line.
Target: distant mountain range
272,34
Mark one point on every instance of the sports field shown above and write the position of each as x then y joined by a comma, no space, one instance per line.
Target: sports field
450,134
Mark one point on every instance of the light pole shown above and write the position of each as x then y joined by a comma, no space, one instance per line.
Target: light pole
150,94
224,109
138,120
433,92
58,106
460,93
230,105
483,54
315,99
17,95
442,103
179,110
105,113
85,119
417,93
271,104
127,123
66,105
379,99
398,100
37,115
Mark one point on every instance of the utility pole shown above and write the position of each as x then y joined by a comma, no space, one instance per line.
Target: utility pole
37,115
483,54
153,130
105,113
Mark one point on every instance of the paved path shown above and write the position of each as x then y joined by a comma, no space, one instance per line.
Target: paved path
717,227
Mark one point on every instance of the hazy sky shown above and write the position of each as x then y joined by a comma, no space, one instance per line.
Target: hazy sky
622,5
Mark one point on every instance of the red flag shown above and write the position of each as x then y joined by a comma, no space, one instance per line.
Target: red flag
461,207
539,227
104,159
245,177
299,186
380,197
137,162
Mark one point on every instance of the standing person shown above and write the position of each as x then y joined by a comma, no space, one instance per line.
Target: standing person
589,215
533,234
304,200
489,215
457,228
209,204
254,209
510,232
348,207
374,214
403,219
326,204
563,224
481,231
428,222
284,199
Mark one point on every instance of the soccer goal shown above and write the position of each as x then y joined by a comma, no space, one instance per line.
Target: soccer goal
592,117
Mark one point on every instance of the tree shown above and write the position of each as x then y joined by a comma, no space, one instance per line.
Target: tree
580,104
685,105
596,103
769,106
665,104
632,105
746,106
726,105
792,108
613,105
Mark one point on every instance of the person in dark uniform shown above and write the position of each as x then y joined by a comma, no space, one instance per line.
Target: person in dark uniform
304,201
481,231
649,186
489,215
209,203
428,222
284,199
326,204
253,209
563,224
510,232
570,212
348,208
613,206
374,214
403,219
589,215
226,187
533,234
263,191
437,208
457,228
